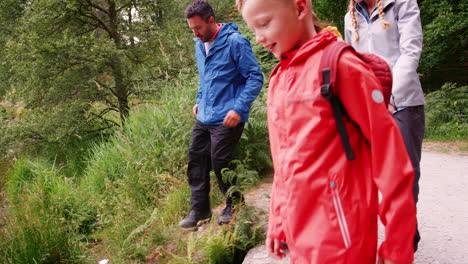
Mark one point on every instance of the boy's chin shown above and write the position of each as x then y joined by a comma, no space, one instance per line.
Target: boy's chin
277,55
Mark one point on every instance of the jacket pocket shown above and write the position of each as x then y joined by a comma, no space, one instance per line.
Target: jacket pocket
340,214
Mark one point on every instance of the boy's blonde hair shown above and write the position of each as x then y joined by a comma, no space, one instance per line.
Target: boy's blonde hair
352,12
318,25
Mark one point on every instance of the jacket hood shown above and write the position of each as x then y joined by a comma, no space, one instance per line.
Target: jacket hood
226,30
318,42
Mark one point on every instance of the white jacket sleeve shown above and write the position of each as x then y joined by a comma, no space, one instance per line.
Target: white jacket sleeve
405,74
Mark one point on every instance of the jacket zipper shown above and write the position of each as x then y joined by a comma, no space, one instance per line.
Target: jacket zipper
340,214
369,39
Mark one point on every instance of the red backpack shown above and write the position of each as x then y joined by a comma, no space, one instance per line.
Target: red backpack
328,69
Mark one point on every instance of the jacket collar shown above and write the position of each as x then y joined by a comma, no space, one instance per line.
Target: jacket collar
372,16
319,41
221,38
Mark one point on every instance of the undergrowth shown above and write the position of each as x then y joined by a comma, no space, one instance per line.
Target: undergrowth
123,201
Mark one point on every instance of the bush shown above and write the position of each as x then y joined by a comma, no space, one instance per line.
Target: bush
131,193
150,153
234,241
48,215
38,239
447,113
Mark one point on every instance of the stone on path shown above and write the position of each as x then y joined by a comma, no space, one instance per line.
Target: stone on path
259,255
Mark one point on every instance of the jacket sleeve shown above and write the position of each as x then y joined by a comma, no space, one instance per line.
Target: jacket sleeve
347,24
392,171
275,228
410,30
198,56
248,68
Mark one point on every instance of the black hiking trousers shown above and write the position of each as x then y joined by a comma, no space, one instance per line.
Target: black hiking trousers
411,122
211,148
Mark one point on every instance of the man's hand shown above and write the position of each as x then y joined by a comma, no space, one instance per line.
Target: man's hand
195,110
231,119
274,248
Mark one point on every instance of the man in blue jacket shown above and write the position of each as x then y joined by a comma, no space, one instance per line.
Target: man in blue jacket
230,80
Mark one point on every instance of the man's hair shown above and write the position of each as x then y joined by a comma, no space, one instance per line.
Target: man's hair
199,8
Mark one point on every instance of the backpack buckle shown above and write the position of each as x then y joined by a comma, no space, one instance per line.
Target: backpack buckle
326,87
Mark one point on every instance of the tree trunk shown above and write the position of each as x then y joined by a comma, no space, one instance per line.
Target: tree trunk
121,89
121,82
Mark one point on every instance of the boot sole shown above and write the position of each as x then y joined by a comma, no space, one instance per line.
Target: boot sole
199,223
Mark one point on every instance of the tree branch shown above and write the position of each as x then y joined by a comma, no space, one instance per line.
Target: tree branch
93,17
124,6
91,4
106,86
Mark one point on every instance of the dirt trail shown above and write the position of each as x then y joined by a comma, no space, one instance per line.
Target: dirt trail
442,211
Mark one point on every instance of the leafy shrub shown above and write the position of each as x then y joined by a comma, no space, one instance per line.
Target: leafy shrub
38,188
234,241
447,113
48,216
153,143
254,144
444,40
38,239
239,177
132,191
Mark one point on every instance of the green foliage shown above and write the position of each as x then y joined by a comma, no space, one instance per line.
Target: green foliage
38,239
58,126
445,24
7,113
130,194
48,216
331,12
447,113
174,206
235,240
42,188
254,141
222,245
79,67
151,148
10,12
239,177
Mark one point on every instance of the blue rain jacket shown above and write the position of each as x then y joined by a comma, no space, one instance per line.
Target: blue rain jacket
230,78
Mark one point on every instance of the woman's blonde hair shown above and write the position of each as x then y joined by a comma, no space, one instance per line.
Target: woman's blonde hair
352,12
318,25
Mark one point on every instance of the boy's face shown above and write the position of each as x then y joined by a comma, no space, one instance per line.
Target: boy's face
201,29
275,24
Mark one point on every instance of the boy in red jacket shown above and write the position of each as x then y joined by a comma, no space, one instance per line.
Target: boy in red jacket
323,206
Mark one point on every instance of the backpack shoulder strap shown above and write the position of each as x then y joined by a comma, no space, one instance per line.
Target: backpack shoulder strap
328,72
330,57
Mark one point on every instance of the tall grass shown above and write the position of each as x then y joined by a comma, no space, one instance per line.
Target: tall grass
124,203
227,245
47,216
133,173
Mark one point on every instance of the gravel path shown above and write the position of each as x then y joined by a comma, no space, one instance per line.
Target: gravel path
442,211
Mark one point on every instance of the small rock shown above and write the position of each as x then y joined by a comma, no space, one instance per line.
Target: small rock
259,255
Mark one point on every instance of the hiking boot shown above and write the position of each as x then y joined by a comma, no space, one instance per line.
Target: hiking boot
226,216
193,218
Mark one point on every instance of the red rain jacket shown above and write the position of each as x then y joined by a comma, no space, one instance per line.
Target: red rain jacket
322,205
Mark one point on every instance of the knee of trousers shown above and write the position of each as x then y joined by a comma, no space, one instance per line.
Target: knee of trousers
198,155
222,162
